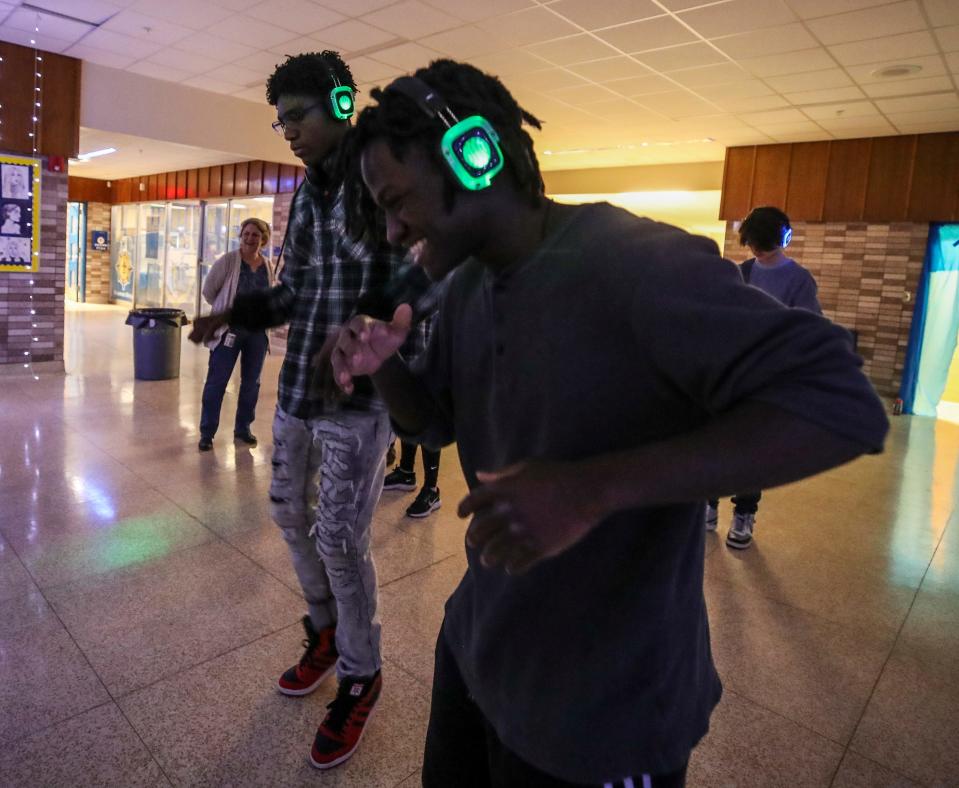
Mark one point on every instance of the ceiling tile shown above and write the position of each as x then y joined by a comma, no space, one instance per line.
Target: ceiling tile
798,62
662,31
212,85
238,5
545,79
620,109
23,38
948,38
583,95
785,38
472,11
952,60
299,45
814,80
596,14
184,12
93,11
868,23
751,103
847,128
411,19
794,128
929,127
683,56
742,89
903,87
298,16
930,65
931,102
253,32
529,27
354,35
120,44
679,104
261,61
884,49
256,95
187,61
406,57
240,76
737,16
464,42
149,28
928,116
610,69
49,24
508,63
852,109
710,75
681,5
942,12
772,116
824,96
366,69
100,56
214,46
808,9
575,49
642,86
156,71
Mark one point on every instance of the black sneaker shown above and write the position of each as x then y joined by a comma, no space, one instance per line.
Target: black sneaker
427,502
247,437
340,732
398,479
205,443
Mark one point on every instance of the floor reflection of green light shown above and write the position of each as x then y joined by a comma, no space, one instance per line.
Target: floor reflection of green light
133,541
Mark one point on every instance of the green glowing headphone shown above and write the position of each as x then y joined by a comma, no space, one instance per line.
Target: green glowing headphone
470,146
342,103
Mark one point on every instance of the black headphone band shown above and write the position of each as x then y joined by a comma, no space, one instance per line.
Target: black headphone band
425,97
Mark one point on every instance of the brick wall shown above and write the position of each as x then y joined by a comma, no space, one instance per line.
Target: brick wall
16,331
98,263
867,275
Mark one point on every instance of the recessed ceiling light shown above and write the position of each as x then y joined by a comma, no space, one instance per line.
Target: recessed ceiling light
896,71
94,153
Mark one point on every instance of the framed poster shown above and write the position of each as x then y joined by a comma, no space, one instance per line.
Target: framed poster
19,204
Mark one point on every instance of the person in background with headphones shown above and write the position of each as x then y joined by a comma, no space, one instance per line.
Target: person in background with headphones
767,232
328,456
602,376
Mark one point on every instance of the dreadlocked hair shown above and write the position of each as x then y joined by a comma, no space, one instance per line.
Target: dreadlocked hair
398,119
308,74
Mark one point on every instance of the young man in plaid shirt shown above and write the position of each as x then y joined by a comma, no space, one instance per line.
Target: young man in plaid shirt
328,455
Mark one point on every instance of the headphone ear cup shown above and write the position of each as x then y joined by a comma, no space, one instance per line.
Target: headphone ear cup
787,236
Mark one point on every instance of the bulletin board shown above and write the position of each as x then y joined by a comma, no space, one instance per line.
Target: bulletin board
19,213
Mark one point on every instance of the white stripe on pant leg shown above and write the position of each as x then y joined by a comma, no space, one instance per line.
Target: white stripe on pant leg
607,785
647,781
628,783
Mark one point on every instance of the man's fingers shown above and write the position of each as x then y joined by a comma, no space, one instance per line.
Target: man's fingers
403,317
522,557
493,476
498,549
482,497
485,525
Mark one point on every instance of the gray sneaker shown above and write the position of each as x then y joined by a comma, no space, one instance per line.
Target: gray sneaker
712,517
740,534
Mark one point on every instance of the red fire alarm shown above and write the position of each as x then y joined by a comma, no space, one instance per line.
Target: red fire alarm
56,163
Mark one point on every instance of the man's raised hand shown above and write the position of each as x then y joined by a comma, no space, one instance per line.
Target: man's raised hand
364,343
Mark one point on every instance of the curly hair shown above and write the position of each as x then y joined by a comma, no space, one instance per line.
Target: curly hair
401,122
308,74
763,228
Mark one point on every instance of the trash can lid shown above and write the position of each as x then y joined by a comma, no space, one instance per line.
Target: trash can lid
173,317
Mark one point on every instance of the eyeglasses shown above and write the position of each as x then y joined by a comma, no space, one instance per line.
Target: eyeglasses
295,116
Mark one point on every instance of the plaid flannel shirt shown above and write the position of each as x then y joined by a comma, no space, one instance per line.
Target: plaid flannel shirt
324,277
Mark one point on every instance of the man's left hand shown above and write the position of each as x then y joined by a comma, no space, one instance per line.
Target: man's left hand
527,513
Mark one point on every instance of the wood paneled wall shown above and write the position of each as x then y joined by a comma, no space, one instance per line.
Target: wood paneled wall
88,190
913,177
240,179
59,133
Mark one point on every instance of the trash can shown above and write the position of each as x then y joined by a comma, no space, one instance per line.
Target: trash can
156,342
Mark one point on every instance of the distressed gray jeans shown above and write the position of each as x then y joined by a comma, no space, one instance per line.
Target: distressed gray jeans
327,480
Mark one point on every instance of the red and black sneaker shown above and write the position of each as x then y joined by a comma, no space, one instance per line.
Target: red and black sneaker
340,732
317,662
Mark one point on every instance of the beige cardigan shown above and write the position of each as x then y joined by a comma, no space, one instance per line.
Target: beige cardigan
219,287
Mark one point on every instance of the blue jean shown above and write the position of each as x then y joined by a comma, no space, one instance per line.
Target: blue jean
251,349
327,480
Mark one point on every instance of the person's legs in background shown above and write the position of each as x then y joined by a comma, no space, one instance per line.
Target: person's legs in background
403,477
428,500
712,514
740,534
253,353
222,361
